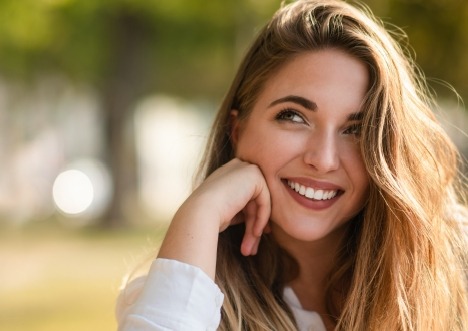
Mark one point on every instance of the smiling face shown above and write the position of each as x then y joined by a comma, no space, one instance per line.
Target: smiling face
303,133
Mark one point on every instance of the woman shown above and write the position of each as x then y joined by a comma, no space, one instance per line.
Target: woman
329,200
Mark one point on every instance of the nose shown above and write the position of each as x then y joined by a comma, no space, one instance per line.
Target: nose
321,152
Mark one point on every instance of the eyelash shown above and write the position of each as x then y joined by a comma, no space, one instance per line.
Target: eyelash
281,116
355,130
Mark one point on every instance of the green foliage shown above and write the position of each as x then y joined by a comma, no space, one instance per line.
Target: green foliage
437,33
185,40
179,39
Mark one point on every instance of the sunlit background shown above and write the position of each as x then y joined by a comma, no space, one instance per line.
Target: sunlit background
105,107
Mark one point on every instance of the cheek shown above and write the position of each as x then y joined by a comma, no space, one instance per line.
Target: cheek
258,152
353,163
267,148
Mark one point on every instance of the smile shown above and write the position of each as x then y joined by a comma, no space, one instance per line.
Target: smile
310,193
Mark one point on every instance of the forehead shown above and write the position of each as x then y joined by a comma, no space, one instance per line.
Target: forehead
328,77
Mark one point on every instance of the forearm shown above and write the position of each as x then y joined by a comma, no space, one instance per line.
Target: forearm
237,188
192,238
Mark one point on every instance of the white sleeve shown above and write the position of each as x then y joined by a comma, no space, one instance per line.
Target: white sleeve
173,296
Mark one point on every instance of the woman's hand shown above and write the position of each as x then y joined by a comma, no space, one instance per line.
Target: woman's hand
237,192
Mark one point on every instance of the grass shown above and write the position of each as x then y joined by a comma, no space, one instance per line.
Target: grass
56,279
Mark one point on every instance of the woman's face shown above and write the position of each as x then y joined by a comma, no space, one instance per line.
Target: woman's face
303,133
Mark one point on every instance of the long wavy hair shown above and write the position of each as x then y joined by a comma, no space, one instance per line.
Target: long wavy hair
402,264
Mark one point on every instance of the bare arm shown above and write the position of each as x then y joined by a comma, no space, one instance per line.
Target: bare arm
193,234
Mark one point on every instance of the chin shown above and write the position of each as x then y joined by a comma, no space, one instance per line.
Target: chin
308,232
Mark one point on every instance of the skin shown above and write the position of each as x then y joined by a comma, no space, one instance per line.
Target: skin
309,139
303,128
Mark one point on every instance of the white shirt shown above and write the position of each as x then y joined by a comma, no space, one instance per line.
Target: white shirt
176,296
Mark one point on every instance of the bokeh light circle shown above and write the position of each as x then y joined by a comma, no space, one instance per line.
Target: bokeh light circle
73,192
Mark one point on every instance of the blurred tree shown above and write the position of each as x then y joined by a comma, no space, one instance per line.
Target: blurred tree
126,49
438,38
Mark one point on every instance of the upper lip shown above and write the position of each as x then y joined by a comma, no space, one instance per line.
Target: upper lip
315,184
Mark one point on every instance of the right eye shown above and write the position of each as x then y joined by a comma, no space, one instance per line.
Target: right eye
290,115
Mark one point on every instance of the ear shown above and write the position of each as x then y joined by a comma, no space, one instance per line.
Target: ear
234,127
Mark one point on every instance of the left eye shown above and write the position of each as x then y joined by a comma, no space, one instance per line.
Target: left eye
354,129
289,115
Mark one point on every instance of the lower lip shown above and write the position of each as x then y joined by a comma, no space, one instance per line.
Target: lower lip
309,203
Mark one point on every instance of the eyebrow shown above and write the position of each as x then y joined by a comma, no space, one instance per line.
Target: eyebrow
306,103
356,116
309,104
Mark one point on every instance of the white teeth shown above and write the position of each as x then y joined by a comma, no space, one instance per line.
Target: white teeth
296,186
318,195
310,193
302,190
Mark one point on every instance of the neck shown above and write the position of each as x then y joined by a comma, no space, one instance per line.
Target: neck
315,260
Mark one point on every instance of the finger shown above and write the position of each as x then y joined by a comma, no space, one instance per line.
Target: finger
255,245
249,238
263,211
248,243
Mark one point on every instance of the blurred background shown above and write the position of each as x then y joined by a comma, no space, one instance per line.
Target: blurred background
105,107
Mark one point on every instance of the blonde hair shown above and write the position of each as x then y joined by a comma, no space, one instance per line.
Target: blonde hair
402,265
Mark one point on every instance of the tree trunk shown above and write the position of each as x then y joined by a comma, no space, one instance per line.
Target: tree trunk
122,87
